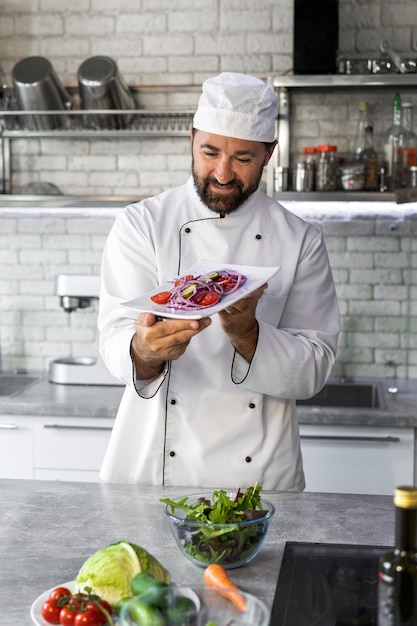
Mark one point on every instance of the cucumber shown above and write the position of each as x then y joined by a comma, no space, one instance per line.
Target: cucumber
182,612
188,291
144,614
148,588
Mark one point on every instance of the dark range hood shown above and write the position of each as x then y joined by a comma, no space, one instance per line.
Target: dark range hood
327,585
316,36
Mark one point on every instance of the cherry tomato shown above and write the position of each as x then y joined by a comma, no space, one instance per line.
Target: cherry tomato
106,606
90,617
161,298
208,299
59,592
100,607
50,611
67,615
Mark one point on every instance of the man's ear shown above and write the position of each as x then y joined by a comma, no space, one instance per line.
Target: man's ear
270,152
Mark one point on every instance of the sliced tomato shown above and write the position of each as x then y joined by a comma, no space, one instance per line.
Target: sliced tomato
161,298
50,611
228,283
183,279
208,299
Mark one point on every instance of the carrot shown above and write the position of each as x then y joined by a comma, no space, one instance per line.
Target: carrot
216,576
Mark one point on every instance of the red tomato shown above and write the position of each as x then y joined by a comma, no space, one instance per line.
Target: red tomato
106,606
183,279
229,283
208,299
67,615
161,298
98,606
90,617
50,611
59,592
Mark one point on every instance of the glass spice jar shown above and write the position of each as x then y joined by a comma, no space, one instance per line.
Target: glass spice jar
311,167
326,176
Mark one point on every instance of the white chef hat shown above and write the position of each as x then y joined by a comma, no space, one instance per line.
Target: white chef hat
237,105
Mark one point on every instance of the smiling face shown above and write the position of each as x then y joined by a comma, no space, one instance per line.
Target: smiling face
227,171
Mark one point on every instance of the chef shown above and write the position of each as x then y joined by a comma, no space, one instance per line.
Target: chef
211,402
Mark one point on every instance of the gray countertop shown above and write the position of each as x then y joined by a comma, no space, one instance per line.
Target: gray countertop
45,398
48,529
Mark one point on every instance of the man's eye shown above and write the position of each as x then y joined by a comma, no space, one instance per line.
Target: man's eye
207,153
243,160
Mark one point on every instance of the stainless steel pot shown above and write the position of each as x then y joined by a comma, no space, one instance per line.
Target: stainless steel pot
38,88
101,86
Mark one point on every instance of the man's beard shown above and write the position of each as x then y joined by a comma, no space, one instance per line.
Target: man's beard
223,203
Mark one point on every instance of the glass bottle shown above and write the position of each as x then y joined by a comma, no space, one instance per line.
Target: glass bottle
363,123
411,137
326,175
394,145
311,167
397,580
370,160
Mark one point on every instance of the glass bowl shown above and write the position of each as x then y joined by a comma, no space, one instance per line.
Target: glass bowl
231,545
196,606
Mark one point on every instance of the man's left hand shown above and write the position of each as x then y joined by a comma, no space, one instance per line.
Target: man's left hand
239,323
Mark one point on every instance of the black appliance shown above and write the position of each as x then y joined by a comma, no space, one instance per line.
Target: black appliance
316,36
323,584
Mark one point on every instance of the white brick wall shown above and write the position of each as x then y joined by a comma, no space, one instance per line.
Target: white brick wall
180,43
160,42
374,261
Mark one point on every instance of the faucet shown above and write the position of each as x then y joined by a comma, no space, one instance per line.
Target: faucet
402,66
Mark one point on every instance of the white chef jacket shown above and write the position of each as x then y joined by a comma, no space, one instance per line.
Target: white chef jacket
211,419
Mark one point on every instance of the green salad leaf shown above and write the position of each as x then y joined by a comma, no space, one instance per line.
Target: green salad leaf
219,538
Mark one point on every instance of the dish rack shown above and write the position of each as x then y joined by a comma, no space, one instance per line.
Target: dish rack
76,123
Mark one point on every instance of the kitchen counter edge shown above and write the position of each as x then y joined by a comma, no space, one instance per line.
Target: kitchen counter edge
51,399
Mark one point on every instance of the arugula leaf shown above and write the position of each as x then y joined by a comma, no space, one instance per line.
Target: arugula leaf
211,542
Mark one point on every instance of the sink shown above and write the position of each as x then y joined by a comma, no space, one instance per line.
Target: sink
12,384
363,395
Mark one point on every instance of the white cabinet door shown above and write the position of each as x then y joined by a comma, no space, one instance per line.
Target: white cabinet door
16,447
347,459
70,448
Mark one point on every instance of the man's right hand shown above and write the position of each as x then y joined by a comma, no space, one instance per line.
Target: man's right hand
156,342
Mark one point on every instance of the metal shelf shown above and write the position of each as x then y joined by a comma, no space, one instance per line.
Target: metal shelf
284,84
344,81
94,123
83,124
335,196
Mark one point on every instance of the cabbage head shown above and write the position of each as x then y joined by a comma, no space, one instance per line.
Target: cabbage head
109,571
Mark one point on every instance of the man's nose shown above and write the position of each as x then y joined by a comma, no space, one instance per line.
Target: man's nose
223,171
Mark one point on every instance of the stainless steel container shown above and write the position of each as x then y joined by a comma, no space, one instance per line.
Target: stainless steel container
281,179
38,88
299,176
102,87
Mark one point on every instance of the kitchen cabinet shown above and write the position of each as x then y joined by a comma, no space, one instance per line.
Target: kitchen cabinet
16,447
53,448
350,459
288,85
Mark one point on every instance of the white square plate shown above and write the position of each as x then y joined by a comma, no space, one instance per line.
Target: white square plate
255,277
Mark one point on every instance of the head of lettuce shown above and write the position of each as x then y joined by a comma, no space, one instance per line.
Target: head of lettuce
109,571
